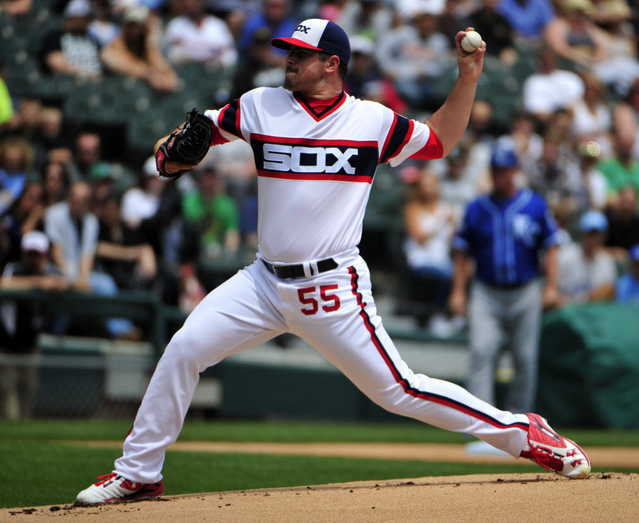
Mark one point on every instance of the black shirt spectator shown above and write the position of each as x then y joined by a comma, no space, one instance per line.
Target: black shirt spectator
623,218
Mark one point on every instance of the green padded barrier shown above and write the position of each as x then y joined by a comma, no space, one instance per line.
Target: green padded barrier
589,366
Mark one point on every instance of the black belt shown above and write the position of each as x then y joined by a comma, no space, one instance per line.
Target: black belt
297,271
509,286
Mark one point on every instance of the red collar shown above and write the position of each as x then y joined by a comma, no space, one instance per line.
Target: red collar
320,109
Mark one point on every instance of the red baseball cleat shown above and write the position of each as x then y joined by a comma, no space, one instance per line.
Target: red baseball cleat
554,452
113,488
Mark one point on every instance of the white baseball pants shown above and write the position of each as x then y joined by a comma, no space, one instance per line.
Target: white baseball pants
335,313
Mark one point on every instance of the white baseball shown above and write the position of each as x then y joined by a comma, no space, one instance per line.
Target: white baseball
471,41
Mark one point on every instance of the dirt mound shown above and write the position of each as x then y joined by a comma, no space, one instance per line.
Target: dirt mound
503,498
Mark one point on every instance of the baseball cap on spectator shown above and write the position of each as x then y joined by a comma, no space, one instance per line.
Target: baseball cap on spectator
77,9
362,45
504,155
136,14
318,35
101,171
409,9
593,220
634,253
585,6
35,241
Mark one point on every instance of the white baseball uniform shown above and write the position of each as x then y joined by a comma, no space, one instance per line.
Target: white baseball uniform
315,173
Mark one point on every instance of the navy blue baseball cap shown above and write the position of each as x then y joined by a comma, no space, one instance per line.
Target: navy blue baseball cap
504,155
318,35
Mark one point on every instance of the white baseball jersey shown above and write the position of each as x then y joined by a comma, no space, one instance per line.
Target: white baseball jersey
313,190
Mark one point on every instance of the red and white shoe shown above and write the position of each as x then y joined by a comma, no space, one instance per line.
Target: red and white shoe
113,488
554,452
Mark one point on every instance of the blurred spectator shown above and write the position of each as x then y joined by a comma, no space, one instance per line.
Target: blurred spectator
529,18
211,219
455,185
195,36
102,187
430,224
504,234
73,231
364,80
528,144
142,201
623,220
16,7
455,16
273,18
102,28
6,102
496,31
16,158
258,66
587,273
627,288
87,153
369,18
406,9
550,88
55,183
235,168
414,56
71,50
122,251
621,68
24,216
21,322
574,36
478,141
622,168
589,185
591,115
248,216
331,9
626,117
88,164
28,118
164,232
134,53
549,175
53,139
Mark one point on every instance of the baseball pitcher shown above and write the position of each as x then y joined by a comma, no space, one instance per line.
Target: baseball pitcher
316,150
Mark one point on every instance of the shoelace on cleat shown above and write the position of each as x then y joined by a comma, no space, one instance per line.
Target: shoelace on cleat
105,479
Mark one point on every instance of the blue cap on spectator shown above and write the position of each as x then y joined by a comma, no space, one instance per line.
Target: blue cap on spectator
318,35
504,155
634,253
593,221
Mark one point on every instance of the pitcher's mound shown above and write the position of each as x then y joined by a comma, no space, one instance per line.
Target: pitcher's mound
508,498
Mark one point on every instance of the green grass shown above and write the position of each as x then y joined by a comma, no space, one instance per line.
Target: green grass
284,432
42,453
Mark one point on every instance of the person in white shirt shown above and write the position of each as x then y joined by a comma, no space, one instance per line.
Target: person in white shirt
587,273
196,36
142,202
550,89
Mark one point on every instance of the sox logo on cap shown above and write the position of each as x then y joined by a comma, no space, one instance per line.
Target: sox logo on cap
318,35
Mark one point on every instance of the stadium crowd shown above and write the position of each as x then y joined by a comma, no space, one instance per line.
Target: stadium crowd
111,224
